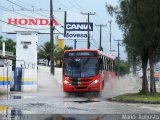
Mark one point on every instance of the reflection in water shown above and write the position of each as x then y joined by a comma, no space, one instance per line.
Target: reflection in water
7,113
15,97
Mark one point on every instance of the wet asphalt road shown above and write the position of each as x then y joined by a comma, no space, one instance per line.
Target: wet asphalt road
49,99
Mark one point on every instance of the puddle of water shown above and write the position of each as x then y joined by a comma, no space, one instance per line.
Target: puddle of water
21,97
10,97
7,113
37,104
84,101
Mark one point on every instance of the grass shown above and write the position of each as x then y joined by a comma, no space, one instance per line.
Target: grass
138,97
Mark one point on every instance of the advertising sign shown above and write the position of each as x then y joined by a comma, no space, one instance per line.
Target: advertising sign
78,26
38,21
77,30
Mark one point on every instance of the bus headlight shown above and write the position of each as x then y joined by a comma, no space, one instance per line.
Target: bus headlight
94,82
67,83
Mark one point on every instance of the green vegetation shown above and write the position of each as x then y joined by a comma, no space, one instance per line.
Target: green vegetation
123,67
9,43
44,53
138,97
59,54
139,21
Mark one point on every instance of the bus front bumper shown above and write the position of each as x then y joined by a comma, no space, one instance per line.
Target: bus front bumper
90,88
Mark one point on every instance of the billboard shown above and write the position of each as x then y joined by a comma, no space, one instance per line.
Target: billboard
77,30
38,21
79,26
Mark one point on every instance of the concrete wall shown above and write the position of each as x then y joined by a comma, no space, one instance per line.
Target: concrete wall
29,80
5,77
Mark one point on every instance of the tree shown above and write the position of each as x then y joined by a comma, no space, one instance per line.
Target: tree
126,19
123,67
44,52
9,45
59,54
139,21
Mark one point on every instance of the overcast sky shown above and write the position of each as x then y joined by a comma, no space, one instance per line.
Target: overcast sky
97,6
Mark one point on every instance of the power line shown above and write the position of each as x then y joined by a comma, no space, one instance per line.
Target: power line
72,4
104,35
15,12
62,4
85,10
24,3
8,10
26,8
94,41
78,5
94,45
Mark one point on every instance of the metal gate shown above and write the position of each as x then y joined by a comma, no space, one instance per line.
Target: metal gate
17,79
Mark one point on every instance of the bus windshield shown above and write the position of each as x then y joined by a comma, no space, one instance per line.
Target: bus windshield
81,67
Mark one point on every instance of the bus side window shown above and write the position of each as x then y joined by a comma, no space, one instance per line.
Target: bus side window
101,62
111,65
107,64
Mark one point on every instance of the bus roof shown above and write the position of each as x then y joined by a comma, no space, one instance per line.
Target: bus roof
95,50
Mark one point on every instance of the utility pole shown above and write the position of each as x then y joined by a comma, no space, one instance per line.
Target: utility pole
110,34
75,43
65,21
100,45
118,57
51,39
88,36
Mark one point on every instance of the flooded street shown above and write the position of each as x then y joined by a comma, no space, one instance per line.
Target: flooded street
50,102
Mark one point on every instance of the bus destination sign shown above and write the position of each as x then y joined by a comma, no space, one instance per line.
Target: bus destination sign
80,54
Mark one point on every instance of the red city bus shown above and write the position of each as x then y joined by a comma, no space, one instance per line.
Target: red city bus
86,70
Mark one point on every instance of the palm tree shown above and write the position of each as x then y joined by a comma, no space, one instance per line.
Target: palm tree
59,54
44,52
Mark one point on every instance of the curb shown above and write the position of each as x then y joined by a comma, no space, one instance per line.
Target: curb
133,101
